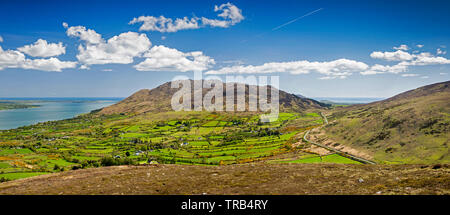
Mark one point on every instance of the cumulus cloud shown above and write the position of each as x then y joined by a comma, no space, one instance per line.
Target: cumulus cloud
120,49
88,35
230,11
425,58
440,51
41,48
1,39
10,58
407,59
380,69
229,14
16,59
340,68
420,46
163,24
161,58
51,65
402,47
392,56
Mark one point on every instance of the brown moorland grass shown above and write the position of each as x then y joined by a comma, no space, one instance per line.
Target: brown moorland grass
255,178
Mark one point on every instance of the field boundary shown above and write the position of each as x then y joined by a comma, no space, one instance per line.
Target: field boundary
345,154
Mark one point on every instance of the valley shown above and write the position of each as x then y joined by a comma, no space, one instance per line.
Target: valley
306,143
198,138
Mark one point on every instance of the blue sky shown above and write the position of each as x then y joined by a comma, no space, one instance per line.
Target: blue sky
344,49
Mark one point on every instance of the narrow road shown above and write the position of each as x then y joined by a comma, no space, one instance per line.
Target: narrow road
345,154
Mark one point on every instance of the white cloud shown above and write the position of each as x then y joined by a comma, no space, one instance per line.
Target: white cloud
409,75
371,72
229,13
161,58
10,58
407,59
440,51
215,22
41,48
425,58
163,24
88,35
420,46
163,37
50,65
443,73
16,59
332,77
340,68
107,70
392,56
402,47
424,77
119,49
1,39
380,69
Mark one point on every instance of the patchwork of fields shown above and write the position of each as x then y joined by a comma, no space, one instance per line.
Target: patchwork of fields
199,138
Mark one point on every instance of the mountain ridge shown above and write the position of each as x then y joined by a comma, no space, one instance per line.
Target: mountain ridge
158,99
411,127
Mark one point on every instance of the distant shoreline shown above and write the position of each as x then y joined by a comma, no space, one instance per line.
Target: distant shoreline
15,105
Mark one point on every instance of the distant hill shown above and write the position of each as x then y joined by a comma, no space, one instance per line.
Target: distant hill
159,100
412,127
301,96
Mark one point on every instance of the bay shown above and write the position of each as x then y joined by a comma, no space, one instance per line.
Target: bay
49,109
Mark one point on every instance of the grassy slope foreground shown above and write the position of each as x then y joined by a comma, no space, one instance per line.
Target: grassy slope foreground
412,127
256,178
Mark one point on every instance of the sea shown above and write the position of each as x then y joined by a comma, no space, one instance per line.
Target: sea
49,109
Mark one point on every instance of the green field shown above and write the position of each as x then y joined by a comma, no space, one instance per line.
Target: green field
333,158
200,138
19,175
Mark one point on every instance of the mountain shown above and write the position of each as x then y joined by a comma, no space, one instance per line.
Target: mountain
159,100
301,96
411,127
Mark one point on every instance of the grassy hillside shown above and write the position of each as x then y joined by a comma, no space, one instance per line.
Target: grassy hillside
412,127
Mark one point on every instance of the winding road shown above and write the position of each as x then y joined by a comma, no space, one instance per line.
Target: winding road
345,154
